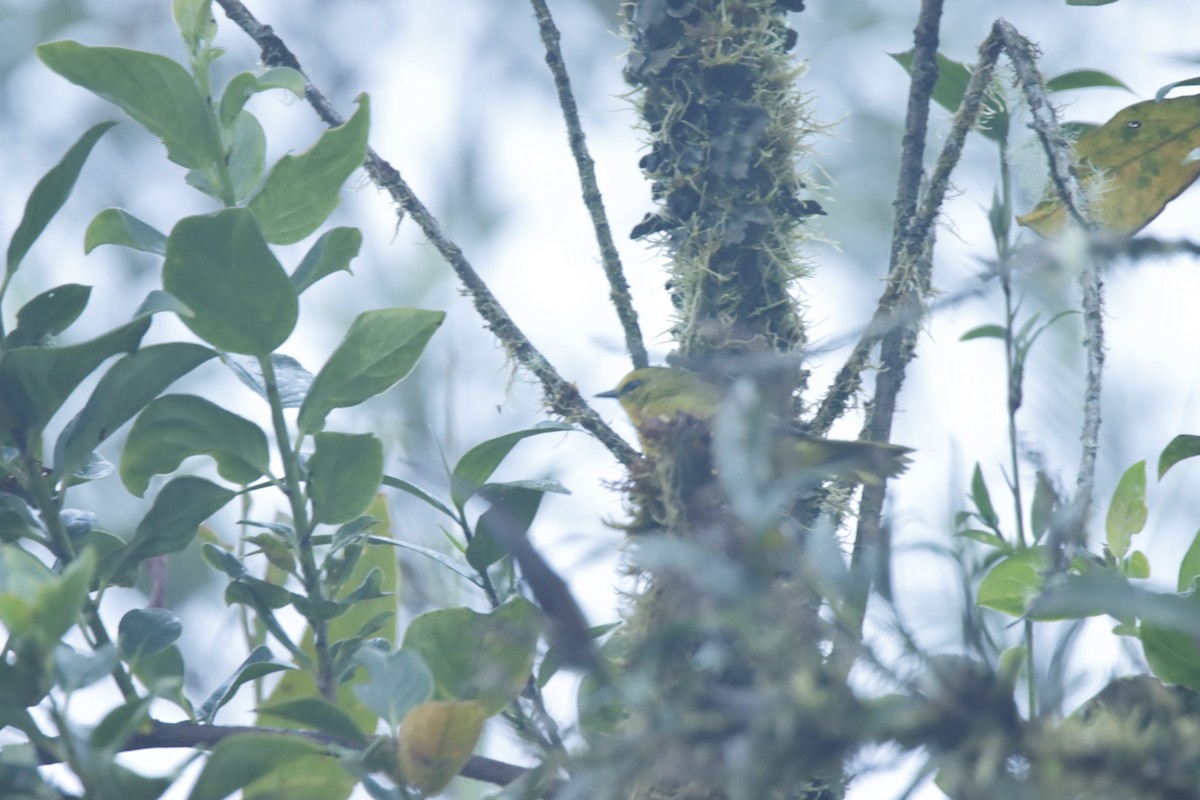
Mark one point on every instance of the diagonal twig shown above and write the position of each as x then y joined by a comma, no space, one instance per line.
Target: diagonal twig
618,291
561,396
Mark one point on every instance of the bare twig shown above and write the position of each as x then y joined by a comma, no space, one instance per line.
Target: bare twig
618,291
195,734
1091,280
561,396
908,280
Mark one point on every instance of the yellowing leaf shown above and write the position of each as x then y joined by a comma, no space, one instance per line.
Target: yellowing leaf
436,739
1131,166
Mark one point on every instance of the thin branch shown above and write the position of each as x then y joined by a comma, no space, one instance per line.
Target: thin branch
561,396
909,272
196,735
1091,280
618,291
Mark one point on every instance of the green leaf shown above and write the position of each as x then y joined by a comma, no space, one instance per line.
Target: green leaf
1127,511
241,87
985,538
1044,506
419,493
222,560
247,155
239,760
119,725
163,675
1173,655
1189,567
126,388
291,378
319,714
155,91
369,618
398,681
282,78
1084,79
1183,446
74,670
177,511
473,469
50,193
35,381
983,500
1089,2
16,518
984,332
484,657
302,191
1137,565
380,349
239,297
48,314
344,473
174,427
1013,582
513,507
117,226
195,21
58,602
143,632
332,252
948,92
258,664
1163,91
22,577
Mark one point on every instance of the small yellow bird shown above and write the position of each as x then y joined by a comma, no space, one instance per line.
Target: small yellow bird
657,396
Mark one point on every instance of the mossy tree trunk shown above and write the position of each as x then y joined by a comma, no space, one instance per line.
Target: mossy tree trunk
740,700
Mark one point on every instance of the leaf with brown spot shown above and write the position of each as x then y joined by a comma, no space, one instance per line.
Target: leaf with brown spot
1132,165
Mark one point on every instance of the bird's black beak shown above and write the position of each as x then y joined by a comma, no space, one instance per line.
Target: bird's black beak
613,393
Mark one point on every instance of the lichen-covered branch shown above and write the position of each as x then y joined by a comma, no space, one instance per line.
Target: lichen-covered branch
727,129
561,396
618,291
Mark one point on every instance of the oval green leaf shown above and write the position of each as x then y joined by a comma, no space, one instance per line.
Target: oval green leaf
126,388
484,657
242,759
301,191
175,427
1013,582
380,349
1127,512
173,518
155,91
117,226
344,473
36,381
48,314
50,193
332,252
473,469
239,297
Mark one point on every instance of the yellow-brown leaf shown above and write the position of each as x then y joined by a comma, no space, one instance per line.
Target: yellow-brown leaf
1140,160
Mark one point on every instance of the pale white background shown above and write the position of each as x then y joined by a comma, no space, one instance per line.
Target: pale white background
464,107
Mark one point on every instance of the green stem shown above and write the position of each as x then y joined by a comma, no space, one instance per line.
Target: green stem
3,290
309,573
1030,681
1014,399
217,173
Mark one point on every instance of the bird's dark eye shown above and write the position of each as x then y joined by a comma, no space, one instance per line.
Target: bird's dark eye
629,387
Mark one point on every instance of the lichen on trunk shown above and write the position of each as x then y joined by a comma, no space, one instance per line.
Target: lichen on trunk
742,703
